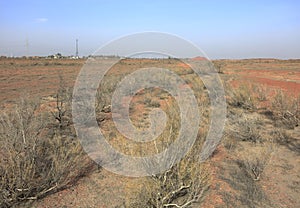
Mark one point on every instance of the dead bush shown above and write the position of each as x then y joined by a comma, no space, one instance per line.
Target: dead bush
281,136
241,97
261,92
105,91
62,111
181,186
255,160
286,139
286,110
246,192
185,183
219,65
34,162
230,143
244,174
246,129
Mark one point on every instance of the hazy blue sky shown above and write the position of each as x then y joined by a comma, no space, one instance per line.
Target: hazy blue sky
223,29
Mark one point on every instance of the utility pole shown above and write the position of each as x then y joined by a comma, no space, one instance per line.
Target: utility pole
77,56
27,47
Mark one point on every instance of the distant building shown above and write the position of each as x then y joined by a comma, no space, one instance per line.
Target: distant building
55,56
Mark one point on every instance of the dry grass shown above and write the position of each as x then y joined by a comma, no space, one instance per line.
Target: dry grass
286,110
245,128
241,97
186,182
41,154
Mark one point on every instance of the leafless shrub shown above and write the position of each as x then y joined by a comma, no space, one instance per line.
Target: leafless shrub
33,162
219,65
261,92
244,175
286,109
286,139
280,102
181,186
241,97
185,183
105,91
230,143
281,136
62,112
254,161
246,129
246,192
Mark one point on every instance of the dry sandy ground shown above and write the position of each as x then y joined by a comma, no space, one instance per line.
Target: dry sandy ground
281,179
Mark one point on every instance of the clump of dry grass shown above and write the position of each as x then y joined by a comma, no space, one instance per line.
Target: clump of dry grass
262,92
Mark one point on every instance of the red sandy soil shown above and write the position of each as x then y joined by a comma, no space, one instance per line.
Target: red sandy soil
199,58
213,198
290,83
183,65
19,77
281,178
274,74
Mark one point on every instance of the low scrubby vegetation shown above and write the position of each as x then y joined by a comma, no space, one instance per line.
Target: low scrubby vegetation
259,120
38,154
